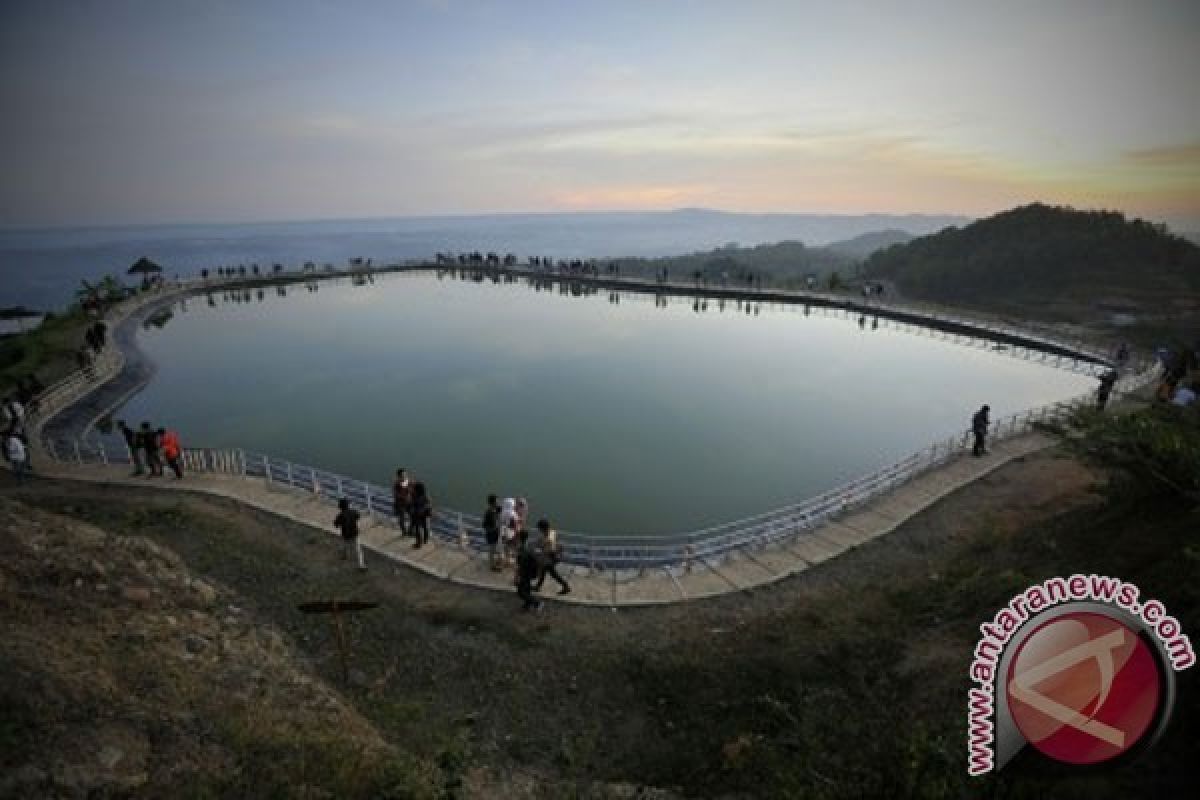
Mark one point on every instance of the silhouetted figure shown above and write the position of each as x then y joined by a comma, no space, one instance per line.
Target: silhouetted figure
422,511
402,496
979,427
1107,381
135,450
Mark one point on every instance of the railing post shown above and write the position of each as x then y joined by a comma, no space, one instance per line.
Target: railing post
316,484
462,533
367,494
267,469
242,461
103,453
340,493
78,453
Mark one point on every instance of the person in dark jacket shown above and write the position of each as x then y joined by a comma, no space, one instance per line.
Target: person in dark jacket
1106,386
148,439
527,570
979,427
347,523
135,449
422,511
491,531
402,491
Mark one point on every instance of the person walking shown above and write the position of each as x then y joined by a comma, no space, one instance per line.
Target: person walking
550,553
150,446
422,511
135,449
347,522
508,530
491,532
979,427
527,567
402,491
1106,386
17,455
171,451
14,413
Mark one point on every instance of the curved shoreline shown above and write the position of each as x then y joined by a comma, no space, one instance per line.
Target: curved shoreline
747,566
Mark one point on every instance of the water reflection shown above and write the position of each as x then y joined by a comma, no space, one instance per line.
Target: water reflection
562,286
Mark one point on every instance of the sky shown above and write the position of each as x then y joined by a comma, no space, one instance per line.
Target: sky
142,111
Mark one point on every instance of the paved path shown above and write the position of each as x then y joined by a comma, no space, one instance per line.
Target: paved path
740,571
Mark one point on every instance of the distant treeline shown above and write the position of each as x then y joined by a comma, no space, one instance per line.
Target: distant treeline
781,264
1037,253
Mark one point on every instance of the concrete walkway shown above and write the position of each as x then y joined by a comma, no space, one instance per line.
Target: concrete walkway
740,571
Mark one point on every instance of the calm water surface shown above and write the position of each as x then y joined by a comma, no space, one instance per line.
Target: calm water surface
610,416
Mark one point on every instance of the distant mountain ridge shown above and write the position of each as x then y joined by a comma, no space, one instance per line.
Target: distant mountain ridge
1045,254
42,268
864,245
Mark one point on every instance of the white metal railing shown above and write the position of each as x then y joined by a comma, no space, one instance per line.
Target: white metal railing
596,551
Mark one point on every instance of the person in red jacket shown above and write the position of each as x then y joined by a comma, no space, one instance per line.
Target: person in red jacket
171,451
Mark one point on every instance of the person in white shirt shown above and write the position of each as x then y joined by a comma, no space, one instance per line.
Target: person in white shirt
1184,396
17,455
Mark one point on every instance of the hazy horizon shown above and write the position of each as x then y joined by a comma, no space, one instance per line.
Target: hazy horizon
136,113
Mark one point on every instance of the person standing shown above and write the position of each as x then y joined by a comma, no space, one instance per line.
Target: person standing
550,553
347,522
1106,386
171,451
527,567
402,491
508,529
17,455
979,427
491,532
148,439
422,511
135,450
15,414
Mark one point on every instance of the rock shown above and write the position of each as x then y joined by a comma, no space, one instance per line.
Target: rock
195,644
137,594
79,583
101,587
205,592
359,678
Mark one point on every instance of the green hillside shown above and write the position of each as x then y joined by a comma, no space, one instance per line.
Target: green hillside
1045,255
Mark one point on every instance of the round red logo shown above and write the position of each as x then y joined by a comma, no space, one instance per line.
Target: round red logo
1083,688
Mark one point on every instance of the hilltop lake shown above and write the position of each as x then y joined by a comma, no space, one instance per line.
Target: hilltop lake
612,412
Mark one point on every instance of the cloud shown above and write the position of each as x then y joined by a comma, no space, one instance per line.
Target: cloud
1179,156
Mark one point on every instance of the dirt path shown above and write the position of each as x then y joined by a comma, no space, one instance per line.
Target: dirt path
731,694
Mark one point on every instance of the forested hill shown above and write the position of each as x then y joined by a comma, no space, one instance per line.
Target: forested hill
1043,254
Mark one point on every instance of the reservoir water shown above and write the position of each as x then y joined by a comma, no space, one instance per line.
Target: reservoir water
612,413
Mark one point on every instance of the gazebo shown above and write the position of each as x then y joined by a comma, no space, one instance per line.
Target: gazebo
145,267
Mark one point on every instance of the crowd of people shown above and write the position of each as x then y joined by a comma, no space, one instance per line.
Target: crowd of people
151,448
530,558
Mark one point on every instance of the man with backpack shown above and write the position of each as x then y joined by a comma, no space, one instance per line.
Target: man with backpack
549,553
347,523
